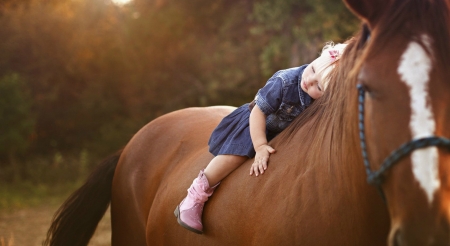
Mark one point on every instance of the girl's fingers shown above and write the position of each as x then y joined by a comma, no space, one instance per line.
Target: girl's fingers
261,169
253,169
259,166
264,166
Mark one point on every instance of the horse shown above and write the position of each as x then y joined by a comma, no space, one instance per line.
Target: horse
405,96
315,191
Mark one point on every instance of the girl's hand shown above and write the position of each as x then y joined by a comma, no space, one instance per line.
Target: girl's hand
261,158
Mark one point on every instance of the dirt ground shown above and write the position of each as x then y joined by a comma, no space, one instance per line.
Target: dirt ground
28,227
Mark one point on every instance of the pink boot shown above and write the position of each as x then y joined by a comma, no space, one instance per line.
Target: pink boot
189,212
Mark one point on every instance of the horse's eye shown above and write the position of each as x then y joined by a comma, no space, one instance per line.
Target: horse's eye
361,87
361,84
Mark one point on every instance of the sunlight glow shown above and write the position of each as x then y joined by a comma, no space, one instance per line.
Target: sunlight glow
121,2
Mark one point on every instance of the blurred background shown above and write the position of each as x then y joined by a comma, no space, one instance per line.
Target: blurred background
79,77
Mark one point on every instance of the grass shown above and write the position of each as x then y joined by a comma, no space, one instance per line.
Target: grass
7,242
32,190
40,180
26,194
15,197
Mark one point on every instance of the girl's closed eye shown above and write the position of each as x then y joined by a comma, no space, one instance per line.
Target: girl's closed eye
314,71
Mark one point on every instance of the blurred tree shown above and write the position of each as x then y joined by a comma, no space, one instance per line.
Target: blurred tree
295,31
97,72
63,48
16,118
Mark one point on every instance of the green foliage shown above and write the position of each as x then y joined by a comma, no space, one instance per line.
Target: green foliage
43,178
28,194
15,115
327,20
295,31
51,169
96,72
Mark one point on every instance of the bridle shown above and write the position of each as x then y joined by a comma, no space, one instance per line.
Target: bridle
376,177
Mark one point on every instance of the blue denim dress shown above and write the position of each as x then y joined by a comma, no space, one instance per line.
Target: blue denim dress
281,100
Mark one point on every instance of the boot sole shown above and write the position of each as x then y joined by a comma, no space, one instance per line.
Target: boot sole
177,214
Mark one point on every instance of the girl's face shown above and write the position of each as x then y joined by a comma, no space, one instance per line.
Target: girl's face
312,78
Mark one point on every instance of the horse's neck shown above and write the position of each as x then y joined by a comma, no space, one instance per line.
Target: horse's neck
328,145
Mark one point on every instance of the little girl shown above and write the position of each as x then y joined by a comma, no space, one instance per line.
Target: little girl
245,132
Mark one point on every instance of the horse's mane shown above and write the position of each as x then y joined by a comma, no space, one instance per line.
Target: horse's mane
329,114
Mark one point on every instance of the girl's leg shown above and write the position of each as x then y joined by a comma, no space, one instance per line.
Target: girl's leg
222,165
189,212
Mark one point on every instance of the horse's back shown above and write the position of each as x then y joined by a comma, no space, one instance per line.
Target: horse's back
174,144
286,206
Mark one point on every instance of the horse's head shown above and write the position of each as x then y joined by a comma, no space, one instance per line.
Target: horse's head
404,75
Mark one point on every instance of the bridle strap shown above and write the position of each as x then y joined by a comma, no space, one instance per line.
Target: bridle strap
376,177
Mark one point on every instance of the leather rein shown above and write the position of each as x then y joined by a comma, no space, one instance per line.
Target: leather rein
376,177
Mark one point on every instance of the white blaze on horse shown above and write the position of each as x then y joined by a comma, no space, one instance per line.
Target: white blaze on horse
414,69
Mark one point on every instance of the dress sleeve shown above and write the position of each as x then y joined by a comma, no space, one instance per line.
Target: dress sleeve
269,97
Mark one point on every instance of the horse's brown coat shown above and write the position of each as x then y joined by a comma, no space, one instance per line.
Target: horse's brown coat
298,201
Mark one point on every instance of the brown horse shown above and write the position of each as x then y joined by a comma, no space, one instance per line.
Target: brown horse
314,191
405,73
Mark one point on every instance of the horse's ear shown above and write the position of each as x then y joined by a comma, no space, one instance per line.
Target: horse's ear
368,10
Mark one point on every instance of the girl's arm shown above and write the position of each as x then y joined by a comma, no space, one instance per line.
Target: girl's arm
259,139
